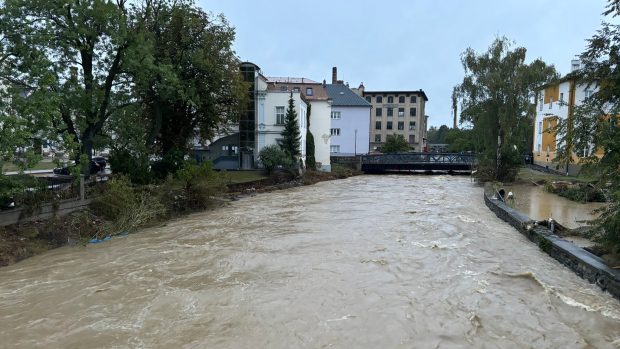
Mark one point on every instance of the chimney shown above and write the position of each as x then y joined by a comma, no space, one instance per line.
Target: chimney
575,64
361,88
334,75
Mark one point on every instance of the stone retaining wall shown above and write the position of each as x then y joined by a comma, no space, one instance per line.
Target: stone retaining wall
582,262
46,211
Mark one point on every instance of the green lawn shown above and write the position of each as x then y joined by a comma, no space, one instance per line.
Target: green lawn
528,175
9,167
236,177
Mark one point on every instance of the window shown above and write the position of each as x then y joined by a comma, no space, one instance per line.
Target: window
588,93
390,99
540,103
401,112
335,115
539,146
379,112
413,99
368,99
334,148
401,125
539,129
379,99
295,89
279,115
412,125
401,99
377,125
389,125
309,91
561,99
550,102
413,111
411,139
548,149
335,132
390,111
377,138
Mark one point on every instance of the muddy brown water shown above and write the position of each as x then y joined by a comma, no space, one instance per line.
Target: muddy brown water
366,262
538,204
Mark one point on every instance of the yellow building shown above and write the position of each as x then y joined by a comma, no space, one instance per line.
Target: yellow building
556,101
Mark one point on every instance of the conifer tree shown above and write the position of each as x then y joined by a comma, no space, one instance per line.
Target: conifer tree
291,136
310,159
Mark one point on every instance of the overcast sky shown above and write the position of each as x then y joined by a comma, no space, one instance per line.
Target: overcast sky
402,44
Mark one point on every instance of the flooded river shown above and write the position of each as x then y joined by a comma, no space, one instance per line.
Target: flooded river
366,262
538,204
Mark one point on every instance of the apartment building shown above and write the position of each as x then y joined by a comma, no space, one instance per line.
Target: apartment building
350,118
397,113
556,101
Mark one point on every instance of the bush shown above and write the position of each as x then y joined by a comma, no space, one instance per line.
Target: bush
191,188
136,168
343,171
272,157
127,208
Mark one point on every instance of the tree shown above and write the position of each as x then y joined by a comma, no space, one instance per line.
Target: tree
190,85
64,61
272,156
310,158
496,98
291,136
460,140
595,124
437,135
395,144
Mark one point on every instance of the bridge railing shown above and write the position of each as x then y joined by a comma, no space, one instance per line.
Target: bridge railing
418,158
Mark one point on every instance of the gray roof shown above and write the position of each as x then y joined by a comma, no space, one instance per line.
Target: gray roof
342,96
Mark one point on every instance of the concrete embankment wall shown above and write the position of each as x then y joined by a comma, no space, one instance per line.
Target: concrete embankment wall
46,211
582,262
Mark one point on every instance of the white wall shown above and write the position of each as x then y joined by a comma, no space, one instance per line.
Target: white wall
268,132
351,119
320,125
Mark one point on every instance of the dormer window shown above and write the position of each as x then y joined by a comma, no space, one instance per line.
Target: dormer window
309,91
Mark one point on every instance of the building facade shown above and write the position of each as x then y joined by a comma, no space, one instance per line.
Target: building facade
319,106
555,102
350,121
397,113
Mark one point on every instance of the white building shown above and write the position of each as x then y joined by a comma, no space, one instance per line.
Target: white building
556,101
350,121
319,104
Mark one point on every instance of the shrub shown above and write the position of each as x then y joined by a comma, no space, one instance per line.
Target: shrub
191,188
273,157
136,168
125,207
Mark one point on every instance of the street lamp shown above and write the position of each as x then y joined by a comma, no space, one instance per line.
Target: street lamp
355,149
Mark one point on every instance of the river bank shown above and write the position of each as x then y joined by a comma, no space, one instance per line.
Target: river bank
24,240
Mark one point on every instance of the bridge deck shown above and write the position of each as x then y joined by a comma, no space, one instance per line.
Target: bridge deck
418,162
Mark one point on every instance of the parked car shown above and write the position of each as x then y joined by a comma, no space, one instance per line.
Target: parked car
97,164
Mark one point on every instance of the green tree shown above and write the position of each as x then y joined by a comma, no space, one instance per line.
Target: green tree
496,98
310,158
272,156
460,140
437,135
189,84
595,124
395,144
64,61
291,136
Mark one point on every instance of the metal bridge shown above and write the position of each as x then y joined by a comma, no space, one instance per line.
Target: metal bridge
447,162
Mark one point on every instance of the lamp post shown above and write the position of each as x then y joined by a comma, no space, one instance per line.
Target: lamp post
355,143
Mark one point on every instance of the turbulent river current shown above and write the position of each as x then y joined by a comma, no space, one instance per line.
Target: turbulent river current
366,262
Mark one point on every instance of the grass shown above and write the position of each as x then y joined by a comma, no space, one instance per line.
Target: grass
9,167
236,177
528,175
